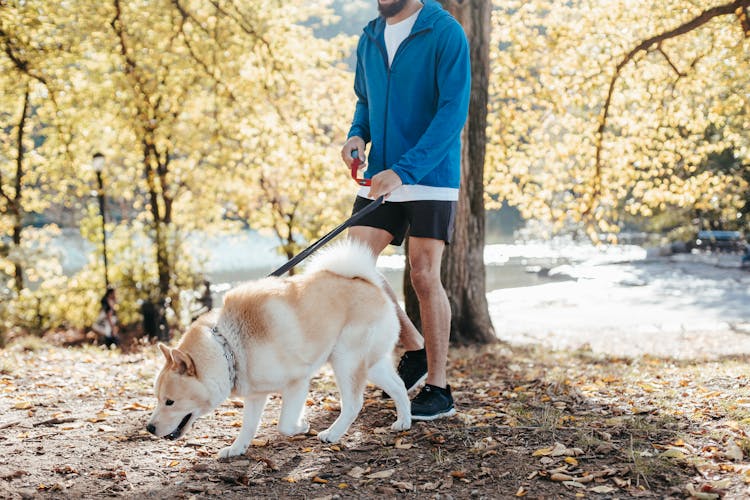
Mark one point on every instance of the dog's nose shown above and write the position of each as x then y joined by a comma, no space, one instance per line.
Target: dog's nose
151,428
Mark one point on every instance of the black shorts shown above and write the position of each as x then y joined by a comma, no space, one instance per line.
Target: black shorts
423,219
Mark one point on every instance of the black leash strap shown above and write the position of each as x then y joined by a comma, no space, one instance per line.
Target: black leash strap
328,237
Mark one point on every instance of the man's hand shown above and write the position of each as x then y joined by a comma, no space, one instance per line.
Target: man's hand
384,183
353,144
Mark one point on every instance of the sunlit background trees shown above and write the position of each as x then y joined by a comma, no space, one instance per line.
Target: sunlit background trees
214,115
666,151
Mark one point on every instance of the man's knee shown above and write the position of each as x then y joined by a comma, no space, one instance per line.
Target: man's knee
425,280
425,257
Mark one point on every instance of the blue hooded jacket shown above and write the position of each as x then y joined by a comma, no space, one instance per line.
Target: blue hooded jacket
414,111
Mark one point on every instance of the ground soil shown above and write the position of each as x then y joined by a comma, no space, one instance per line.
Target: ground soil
531,423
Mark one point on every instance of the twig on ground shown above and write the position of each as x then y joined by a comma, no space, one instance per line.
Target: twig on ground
55,421
9,424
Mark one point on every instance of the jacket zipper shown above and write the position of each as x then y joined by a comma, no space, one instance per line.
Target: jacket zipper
384,53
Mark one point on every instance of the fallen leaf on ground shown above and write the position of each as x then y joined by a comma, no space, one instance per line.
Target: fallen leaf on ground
399,444
733,451
356,472
602,489
558,476
402,485
673,453
383,474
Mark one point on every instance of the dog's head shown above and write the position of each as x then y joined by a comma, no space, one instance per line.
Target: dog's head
181,395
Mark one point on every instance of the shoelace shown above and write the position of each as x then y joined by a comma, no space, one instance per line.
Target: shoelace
423,395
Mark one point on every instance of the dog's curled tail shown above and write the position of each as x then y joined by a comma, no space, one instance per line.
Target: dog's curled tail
348,258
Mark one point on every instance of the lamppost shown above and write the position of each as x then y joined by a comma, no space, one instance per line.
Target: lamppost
98,164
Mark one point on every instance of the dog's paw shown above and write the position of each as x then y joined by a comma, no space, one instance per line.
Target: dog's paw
327,436
401,424
231,451
301,428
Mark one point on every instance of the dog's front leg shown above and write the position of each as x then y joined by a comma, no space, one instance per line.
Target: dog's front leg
292,420
251,414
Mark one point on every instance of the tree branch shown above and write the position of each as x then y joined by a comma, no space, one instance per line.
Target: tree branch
21,64
660,50
247,28
736,7
744,16
204,66
15,50
21,153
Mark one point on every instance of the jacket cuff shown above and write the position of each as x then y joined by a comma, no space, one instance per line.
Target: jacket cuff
404,175
358,132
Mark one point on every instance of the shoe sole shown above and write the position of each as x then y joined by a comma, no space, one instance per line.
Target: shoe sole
427,418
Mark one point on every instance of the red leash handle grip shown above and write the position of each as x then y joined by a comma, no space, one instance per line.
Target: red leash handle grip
356,162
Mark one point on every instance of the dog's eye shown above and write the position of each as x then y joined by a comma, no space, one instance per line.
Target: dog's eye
169,402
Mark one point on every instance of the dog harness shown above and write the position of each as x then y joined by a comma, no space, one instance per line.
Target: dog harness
228,355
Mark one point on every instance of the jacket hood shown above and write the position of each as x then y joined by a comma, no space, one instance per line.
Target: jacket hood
431,12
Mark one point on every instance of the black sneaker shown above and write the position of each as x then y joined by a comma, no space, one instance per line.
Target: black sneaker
413,368
432,403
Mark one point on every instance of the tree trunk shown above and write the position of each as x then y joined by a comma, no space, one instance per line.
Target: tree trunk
160,218
16,208
155,164
463,271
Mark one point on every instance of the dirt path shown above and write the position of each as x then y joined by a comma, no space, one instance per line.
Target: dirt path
532,423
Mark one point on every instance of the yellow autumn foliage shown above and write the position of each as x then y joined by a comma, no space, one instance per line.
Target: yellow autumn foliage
675,140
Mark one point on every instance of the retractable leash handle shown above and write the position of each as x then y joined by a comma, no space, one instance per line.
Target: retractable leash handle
356,163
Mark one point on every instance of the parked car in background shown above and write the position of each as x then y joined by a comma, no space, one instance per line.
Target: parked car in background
720,241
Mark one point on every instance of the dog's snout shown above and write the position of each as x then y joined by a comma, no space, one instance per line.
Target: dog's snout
151,428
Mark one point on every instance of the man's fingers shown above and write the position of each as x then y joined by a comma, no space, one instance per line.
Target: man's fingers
350,146
346,156
374,195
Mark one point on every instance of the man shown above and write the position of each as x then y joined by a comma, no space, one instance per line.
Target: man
412,85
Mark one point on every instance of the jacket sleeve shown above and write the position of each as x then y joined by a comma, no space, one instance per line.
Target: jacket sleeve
361,121
454,87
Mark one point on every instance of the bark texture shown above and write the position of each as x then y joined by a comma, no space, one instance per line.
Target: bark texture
463,271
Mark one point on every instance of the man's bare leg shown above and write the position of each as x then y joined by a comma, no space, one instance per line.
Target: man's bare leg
377,240
425,256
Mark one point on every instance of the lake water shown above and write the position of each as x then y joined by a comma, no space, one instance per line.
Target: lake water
233,259
514,273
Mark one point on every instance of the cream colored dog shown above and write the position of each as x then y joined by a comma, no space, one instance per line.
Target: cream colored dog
273,335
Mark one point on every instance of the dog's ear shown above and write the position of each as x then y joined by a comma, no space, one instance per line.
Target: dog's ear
166,351
184,363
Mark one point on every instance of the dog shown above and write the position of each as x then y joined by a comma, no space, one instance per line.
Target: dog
272,335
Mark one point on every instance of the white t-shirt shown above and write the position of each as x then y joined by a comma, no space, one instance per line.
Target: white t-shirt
394,34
